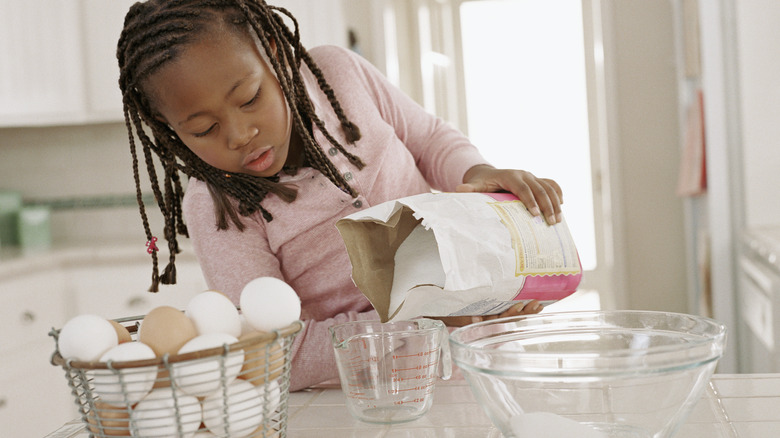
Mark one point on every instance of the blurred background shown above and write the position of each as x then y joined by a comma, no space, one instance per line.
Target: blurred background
657,117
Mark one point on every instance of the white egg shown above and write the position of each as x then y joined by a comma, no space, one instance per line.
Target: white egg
269,303
86,337
201,377
125,386
213,312
272,392
244,412
155,415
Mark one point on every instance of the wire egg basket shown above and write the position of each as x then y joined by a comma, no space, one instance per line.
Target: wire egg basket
238,390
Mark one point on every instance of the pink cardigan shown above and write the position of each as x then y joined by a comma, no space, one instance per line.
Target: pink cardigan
406,150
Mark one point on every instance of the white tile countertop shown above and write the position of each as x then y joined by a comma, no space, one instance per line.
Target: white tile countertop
734,406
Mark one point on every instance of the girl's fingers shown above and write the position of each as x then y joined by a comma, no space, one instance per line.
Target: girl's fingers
546,201
541,196
531,308
457,321
554,185
538,197
553,211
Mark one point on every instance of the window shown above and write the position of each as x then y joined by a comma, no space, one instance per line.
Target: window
526,100
519,77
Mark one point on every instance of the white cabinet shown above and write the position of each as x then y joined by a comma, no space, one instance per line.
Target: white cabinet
32,304
34,396
103,24
60,65
121,290
757,334
38,293
40,44
320,22
756,339
59,57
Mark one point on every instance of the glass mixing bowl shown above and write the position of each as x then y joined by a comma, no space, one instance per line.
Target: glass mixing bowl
589,374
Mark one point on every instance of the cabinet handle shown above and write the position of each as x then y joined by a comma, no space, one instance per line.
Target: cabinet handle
2,403
28,317
136,302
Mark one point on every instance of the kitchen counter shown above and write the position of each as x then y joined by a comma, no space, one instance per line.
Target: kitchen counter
734,406
15,261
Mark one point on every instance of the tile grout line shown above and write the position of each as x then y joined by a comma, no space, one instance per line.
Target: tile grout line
720,411
304,406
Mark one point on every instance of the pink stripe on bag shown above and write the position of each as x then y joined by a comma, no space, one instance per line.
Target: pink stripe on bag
548,287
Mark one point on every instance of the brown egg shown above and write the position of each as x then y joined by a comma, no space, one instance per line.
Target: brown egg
254,369
166,329
163,379
121,332
113,419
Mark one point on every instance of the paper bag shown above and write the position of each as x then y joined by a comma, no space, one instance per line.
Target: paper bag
454,254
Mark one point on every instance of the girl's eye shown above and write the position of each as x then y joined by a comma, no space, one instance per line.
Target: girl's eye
253,99
204,133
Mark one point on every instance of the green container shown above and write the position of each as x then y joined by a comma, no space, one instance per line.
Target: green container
34,227
10,205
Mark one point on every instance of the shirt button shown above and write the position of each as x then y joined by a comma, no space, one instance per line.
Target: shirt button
357,204
348,176
333,151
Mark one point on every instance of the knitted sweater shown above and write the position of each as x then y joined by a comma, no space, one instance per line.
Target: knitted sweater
406,150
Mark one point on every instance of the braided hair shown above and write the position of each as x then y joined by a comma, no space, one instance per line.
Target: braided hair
155,33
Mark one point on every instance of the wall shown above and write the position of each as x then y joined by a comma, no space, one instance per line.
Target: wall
74,162
648,151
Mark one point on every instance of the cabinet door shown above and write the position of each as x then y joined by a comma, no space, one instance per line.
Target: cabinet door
758,331
35,398
320,22
119,291
40,76
34,395
31,306
103,22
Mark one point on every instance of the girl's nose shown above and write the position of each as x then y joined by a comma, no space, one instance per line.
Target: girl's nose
242,135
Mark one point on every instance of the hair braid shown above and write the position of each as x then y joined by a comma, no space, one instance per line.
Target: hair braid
155,33
139,199
315,153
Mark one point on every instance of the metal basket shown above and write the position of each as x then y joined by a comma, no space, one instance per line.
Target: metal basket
238,390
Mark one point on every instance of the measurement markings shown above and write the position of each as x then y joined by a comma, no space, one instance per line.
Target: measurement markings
417,368
419,354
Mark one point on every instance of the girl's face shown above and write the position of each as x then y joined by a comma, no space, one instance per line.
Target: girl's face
224,102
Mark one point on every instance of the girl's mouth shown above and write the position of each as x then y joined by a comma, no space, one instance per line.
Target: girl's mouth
259,161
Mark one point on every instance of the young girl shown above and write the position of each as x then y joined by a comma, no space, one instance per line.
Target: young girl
278,143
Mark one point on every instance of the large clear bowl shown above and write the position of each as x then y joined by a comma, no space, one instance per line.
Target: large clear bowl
589,374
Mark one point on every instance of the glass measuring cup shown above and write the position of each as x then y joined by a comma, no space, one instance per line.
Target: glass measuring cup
388,370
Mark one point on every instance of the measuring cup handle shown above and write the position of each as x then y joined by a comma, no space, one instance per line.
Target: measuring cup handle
445,356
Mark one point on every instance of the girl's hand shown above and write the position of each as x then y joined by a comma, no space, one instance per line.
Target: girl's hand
541,196
529,308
